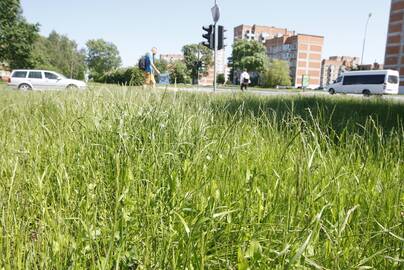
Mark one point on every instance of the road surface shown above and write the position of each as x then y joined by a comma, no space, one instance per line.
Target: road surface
269,92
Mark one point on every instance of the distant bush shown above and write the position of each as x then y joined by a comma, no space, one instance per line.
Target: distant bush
125,76
221,79
276,74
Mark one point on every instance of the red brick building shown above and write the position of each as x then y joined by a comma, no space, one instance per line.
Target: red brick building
333,67
172,57
259,32
394,58
302,52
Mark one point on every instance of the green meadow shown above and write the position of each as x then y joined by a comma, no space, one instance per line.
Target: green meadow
125,178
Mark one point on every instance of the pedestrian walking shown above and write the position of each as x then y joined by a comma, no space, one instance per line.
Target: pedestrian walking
147,64
244,80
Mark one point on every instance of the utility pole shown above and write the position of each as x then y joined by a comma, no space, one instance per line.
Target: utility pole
364,39
197,68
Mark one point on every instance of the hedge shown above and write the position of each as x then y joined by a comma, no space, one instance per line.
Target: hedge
124,76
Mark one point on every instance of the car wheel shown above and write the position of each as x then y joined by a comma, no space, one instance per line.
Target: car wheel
24,87
71,87
331,91
366,93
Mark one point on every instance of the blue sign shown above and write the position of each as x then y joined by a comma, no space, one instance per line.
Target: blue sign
164,78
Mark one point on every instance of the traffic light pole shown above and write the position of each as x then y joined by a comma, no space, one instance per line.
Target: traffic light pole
216,17
214,60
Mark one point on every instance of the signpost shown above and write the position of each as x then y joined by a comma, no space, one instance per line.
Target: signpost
215,13
164,79
211,35
305,81
216,17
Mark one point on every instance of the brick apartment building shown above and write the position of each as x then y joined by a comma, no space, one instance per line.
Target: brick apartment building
302,52
333,67
259,33
172,57
221,68
394,58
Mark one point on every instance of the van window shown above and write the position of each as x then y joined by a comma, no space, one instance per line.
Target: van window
19,74
393,79
35,75
364,79
338,80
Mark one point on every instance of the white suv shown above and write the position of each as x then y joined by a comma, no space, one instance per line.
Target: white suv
24,79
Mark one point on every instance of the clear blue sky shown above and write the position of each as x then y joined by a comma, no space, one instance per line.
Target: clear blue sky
135,26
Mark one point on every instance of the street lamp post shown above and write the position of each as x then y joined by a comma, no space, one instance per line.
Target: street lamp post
364,39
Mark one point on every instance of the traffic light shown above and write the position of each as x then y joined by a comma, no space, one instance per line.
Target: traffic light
230,61
199,64
221,38
209,36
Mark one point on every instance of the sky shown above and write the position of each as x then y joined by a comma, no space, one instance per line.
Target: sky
136,26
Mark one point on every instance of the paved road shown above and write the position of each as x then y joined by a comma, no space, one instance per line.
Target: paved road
399,98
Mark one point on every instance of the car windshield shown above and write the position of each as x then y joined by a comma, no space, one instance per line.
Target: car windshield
393,79
61,76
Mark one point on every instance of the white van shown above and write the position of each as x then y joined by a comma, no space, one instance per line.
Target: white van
372,82
25,79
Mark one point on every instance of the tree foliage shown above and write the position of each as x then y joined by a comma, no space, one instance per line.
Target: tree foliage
276,74
191,52
59,53
102,56
161,65
250,55
179,72
17,36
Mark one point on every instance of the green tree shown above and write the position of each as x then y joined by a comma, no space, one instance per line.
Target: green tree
191,52
276,74
179,72
102,56
17,36
161,65
250,55
47,55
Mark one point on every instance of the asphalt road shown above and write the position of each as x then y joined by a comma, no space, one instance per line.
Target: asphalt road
269,92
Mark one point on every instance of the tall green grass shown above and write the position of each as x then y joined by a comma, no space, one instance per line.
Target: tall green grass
130,179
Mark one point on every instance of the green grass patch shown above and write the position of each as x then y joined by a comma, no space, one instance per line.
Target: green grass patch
120,178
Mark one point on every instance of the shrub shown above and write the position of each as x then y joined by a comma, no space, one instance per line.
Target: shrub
220,79
124,76
276,74
137,76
